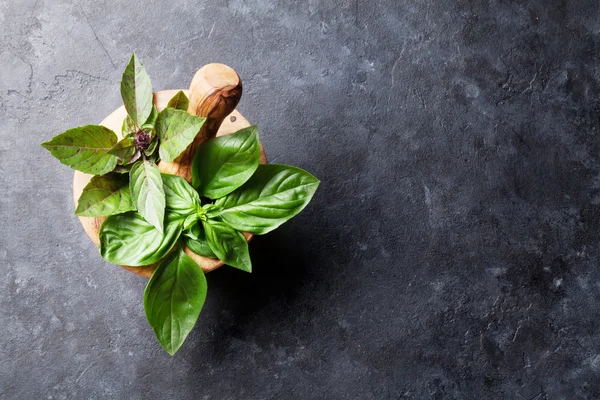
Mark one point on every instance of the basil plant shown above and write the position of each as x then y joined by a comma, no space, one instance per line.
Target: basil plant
152,217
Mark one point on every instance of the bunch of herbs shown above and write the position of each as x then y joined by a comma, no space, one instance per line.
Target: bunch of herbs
151,216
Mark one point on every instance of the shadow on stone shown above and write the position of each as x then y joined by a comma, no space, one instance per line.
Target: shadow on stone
245,307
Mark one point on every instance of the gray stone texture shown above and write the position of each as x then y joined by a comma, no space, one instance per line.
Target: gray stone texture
451,252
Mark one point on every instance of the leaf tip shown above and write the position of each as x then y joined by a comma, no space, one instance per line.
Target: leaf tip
171,352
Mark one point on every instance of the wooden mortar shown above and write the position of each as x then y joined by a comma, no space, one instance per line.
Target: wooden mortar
214,93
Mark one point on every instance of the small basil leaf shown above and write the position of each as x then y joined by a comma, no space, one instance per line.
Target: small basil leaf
128,239
147,192
193,232
122,169
105,195
176,130
136,91
199,244
190,221
136,156
151,148
273,195
179,101
229,245
151,138
224,163
212,210
128,128
124,150
85,149
149,124
174,298
181,198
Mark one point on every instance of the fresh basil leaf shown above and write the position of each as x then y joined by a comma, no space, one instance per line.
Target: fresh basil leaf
85,149
199,244
136,91
151,148
128,128
229,245
181,198
224,163
149,124
212,210
174,298
105,195
190,221
124,150
147,192
135,157
151,134
122,169
193,232
273,195
128,239
176,130
179,101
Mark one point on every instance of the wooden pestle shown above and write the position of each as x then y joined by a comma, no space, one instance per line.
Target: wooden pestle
214,93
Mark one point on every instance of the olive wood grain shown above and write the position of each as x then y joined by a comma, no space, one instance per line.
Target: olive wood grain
213,94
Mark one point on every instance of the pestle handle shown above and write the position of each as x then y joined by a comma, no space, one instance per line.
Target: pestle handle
214,93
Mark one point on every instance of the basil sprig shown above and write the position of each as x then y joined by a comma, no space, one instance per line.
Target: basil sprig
95,149
152,217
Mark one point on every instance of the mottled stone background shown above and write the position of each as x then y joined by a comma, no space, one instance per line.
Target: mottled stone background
451,252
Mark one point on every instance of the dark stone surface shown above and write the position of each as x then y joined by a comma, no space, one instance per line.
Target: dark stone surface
450,253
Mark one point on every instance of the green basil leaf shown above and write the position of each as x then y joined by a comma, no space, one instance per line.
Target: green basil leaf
224,163
124,150
176,130
128,128
190,221
193,232
181,197
174,298
211,210
229,245
147,192
273,195
85,149
136,91
179,101
105,195
122,169
151,148
149,124
128,239
199,244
